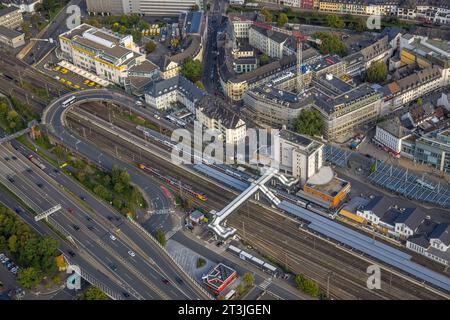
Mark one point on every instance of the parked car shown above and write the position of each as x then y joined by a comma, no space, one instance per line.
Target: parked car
112,237
131,253
179,280
76,228
71,253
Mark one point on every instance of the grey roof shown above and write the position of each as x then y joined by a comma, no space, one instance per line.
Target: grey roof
178,82
296,138
7,10
420,240
218,109
442,232
273,35
9,33
390,216
394,127
196,214
378,205
411,217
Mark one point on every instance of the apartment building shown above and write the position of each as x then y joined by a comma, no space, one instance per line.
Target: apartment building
113,57
11,17
215,113
142,7
359,7
411,87
267,41
426,52
164,94
240,25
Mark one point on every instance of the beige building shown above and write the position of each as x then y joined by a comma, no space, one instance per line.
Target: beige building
215,113
141,7
11,38
11,17
267,41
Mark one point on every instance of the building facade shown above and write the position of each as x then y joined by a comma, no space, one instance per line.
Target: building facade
11,17
108,55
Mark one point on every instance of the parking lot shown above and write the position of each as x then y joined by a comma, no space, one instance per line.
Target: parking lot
50,66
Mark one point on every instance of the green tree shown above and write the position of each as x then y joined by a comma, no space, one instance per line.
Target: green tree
335,21
161,237
12,243
195,7
118,188
248,279
360,25
308,286
310,122
29,277
150,47
282,20
419,102
192,69
264,59
331,44
95,22
101,191
60,152
200,84
93,293
377,72
267,15
125,178
201,262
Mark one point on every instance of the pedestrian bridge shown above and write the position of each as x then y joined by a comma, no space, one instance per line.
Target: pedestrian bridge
258,185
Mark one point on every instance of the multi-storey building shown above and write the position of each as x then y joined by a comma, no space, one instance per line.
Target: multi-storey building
215,113
426,52
11,17
389,134
411,87
348,110
24,5
142,7
11,38
164,94
113,57
267,41
299,155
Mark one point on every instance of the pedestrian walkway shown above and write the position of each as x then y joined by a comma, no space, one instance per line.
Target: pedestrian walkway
265,283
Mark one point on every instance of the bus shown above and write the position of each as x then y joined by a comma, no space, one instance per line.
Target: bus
68,102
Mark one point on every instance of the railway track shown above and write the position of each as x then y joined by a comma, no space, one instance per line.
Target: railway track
348,278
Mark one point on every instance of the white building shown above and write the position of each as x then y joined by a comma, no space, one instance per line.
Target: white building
267,41
108,55
299,155
215,113
164,94
390,134
141,7
28,6
241,26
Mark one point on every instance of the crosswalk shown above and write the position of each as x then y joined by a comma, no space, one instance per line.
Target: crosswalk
265,283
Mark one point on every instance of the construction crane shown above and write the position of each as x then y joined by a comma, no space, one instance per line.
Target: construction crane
300,39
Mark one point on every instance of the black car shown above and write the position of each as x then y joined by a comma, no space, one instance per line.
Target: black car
10,179
83,198
126,294
91,228
14,157
110,218
88,218
40,185
76,227
7,158
29,170
71,253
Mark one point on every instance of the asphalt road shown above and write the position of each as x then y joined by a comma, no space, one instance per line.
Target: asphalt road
164,264
140,272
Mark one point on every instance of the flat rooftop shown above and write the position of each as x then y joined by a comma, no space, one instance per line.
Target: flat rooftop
332,188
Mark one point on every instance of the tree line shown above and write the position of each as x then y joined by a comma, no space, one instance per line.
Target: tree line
35,254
